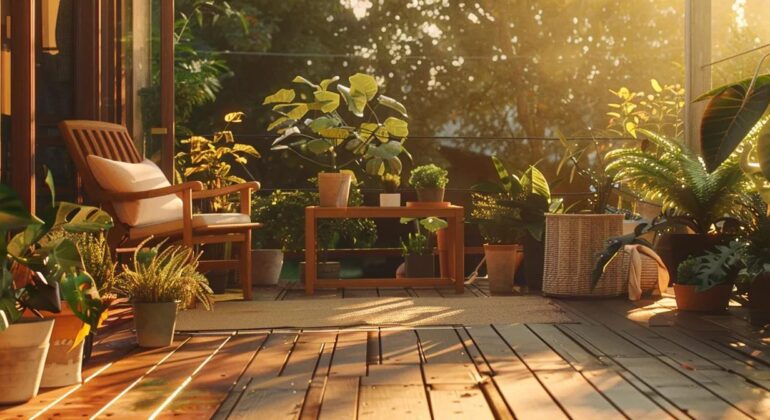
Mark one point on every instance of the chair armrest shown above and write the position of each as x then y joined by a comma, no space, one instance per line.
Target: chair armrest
230,189
158,192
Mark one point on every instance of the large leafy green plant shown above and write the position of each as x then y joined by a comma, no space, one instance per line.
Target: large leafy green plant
312,125
514,207
47,268
674,176
419,242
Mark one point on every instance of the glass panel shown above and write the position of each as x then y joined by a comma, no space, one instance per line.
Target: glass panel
738,26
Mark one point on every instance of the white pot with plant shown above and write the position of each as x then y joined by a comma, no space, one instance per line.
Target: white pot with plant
322,133
430,183
46,272
159,282
391,197
419,261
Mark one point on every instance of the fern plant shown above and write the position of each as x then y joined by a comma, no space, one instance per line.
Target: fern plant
676,177
166,275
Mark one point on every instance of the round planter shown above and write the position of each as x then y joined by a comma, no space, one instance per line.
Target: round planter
419,266
155,323
390,200
23,349
266,265
63,363
714,299
502,263
572,242
324,270
430,195
674,248
334,188
759,300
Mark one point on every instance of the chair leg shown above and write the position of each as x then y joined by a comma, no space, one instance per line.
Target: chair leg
245,266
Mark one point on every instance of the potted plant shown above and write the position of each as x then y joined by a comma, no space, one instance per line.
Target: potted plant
418,248
706,282
756,274
706,203
430,182
38,273
321,133
267,252
391,197
211,161
506,213
159,282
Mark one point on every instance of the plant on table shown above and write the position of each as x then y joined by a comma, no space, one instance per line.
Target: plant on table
391,197
417,250
430,182
159,281
316,129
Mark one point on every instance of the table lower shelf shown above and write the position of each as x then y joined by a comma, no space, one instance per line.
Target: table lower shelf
401,282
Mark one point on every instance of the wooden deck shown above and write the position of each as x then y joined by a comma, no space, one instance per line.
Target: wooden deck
620,360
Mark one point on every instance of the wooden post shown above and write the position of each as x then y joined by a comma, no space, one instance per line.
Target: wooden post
167,85
697,51
22,145
459,250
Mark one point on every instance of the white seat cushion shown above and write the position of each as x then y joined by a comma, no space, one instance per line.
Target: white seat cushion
198,221
121,177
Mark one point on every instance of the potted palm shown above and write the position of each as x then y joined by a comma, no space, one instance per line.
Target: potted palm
159,282
418,249
430,182
391,197
38,273
322,133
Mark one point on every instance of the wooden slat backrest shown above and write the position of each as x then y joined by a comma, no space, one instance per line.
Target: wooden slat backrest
107,140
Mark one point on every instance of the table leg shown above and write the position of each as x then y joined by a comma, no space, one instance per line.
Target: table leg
459,251
310,251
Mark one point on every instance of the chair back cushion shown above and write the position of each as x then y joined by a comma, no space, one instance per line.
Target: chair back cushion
122,177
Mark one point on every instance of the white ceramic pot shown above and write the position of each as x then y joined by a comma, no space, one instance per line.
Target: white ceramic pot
390,200
23,349
502,263
155,323
64,363
334,188
266,265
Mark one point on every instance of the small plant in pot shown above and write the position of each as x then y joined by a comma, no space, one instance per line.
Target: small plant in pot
430,182
418,249
391,197
159,282
705,283
322,133
37,274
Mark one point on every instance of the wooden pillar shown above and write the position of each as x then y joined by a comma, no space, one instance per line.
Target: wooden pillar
167,85
22,145
88,60
697,73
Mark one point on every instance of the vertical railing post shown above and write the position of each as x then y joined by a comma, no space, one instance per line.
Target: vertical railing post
697,52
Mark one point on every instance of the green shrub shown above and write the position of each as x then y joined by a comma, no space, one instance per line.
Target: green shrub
428,176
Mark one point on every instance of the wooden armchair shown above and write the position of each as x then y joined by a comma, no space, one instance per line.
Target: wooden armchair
112,141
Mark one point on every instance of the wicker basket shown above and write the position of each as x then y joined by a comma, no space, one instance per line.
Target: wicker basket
572,244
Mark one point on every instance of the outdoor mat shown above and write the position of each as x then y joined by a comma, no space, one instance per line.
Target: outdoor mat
377,311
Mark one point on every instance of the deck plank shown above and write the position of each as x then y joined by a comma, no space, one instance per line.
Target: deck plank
152,391
350,354
340,398
459,403
390,402
446,359
210,387
399,346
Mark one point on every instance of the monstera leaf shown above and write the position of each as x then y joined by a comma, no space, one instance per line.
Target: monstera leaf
733,110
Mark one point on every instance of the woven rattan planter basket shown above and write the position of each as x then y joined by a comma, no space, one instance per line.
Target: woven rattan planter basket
572,244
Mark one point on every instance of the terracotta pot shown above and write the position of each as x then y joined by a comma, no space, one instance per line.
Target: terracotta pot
334,188
714,299
324,270
23,350
674,248
502,263
442,242
390,200
155,323
266,266
419,266
63,363
431,195
759,300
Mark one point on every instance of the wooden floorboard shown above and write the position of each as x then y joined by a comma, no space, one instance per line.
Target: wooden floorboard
619,360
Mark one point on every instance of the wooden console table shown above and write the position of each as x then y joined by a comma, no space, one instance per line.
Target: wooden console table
454,215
